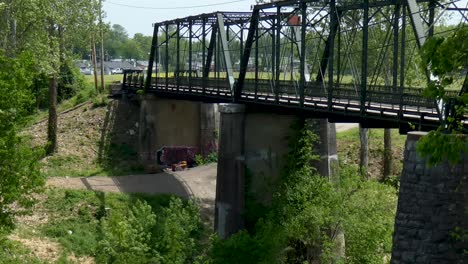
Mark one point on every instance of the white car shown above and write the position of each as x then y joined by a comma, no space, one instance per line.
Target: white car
117,71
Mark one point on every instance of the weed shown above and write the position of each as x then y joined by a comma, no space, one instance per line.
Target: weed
12,252
210,158
78,215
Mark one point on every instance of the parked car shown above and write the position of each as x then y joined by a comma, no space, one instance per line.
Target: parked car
117,71
86,71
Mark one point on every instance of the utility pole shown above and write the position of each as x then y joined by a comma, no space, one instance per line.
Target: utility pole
102,45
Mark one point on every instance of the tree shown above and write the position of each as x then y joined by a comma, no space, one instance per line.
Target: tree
364,150
446,58
387,164
19,174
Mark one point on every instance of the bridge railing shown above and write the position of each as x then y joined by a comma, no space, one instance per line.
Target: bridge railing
286,90
133,80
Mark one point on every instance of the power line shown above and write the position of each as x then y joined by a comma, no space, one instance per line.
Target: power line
176,7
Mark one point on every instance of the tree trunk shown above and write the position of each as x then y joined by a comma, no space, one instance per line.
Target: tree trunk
387,166
52,126
102,45
93,47
364,150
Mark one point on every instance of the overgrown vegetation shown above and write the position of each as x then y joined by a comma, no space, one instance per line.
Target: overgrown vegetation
19,175
348,151
210,158
308,209
119,228
446,59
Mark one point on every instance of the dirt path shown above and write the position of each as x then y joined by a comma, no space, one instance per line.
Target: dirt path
198,183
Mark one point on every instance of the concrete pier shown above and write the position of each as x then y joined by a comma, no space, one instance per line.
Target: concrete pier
229,204
256,144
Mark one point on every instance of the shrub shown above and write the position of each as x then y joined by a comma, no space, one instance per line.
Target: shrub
141,236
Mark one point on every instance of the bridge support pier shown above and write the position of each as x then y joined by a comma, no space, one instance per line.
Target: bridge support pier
229,204
431,224
252,151
165,122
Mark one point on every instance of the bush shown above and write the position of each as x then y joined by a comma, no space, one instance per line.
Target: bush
307,209
126,238
141,236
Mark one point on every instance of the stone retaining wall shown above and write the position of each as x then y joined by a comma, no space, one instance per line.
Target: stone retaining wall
432,210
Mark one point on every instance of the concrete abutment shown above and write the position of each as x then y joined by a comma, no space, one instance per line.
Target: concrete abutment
166,122
431,224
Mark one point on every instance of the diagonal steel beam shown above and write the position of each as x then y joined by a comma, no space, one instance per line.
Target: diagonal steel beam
417,23
226,53
153,53
253,32
209,57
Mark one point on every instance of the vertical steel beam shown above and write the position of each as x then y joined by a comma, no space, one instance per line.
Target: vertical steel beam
365,38
226,53
402,60
211,47
203,52
253,32
177,71
167,56
241,35
302,56
278,54
154,48
338,62
330,47
190,56
396,20
273,50
256,63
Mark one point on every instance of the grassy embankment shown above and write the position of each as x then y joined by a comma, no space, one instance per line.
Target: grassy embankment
349,148
85,137
65,225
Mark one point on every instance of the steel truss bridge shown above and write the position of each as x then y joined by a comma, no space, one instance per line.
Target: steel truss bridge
348,60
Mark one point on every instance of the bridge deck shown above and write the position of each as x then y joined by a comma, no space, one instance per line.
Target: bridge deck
403,108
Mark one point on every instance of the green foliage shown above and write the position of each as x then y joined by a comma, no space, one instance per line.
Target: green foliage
210,158
19,174
100,100
369,209
438,146
14,253
126,236
119,45
175,236
141,236
308,210
119,228
445,58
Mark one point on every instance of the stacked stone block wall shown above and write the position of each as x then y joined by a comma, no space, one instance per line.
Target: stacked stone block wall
431,224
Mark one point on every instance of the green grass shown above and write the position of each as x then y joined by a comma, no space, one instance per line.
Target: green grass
12,252
88,93
107,79
76,214
71,166
349,147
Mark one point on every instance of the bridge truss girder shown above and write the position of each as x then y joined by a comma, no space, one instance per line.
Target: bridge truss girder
297,51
